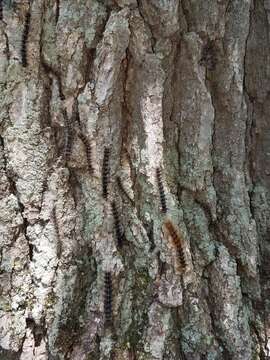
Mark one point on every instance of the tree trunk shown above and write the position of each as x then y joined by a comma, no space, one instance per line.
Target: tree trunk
90,244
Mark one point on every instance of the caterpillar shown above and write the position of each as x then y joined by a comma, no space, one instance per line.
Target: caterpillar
88,153
57,233
68,137
105,172
60,88
1,10
150,234
108,297
177,242
117,225
161,191
25,39
57,10
123,190
49,69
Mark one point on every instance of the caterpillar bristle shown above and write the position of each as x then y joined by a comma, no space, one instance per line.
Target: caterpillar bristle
88,149
108,299
123,190
161,191
117,225
25,34
177,243
105,172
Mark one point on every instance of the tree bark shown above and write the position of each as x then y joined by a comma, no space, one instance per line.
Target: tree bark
179,85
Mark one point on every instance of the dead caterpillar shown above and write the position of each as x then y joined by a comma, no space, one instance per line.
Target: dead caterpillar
105,172
25,39
117,225
1,10
161,191
123,190
177,242
108,297
88,153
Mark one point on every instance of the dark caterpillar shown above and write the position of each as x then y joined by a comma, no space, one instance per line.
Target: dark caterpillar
177,242
68,137
57,233
1,10
117,225
57,10
123,190
161,191
88,153
105,172
108,297
25,39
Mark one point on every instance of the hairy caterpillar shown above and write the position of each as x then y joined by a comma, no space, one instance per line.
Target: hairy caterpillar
177,242
108,297
161,191
57,10
123,190
57,233
117,225
25,39
68,137
150,234
60,88
88,152
1,10
105,172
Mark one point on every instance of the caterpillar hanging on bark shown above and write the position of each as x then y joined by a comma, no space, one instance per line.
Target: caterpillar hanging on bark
25,39
108,299
57,10
57,233
117,225
105,172
161,191
123,190
177,243
88,149
68,137
1,9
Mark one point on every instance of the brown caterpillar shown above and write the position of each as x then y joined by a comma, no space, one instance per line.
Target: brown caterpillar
123,190
161,191
25,39
105,172
177,242
108,299
117,225
88,153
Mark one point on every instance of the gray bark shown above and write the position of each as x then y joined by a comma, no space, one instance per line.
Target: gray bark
178,84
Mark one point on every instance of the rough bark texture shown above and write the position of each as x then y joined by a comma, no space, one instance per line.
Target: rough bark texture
178,84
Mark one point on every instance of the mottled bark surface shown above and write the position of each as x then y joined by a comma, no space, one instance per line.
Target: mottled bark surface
178,84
